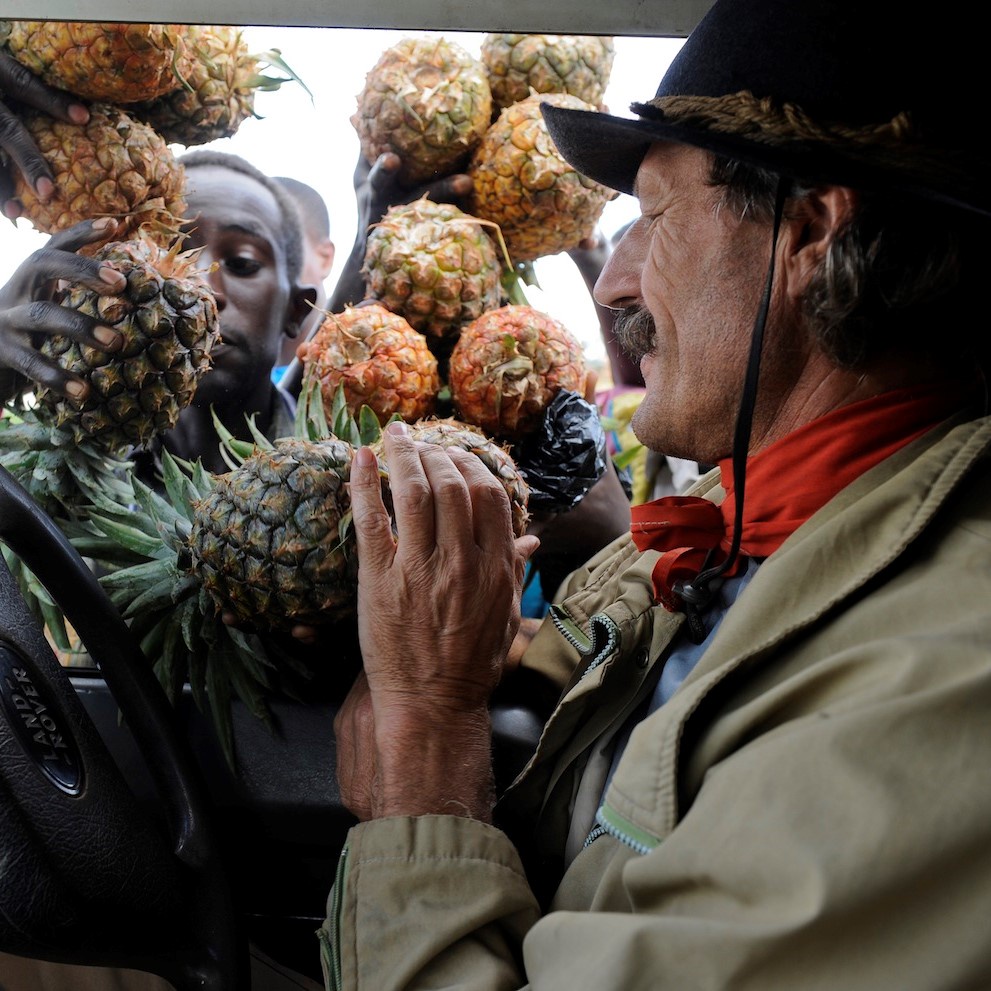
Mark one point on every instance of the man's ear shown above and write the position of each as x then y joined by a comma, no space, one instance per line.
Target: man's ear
815,220
300,307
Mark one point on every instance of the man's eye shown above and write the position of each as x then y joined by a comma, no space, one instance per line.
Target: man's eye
242,266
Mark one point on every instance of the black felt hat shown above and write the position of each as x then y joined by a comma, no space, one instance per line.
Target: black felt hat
864,93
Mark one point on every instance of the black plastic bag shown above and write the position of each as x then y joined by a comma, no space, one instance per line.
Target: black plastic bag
565,456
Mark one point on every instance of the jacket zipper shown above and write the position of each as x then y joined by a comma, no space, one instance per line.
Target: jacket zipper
611,822
330,942
598,646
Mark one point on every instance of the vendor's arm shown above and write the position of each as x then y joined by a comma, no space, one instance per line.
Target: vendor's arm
28,314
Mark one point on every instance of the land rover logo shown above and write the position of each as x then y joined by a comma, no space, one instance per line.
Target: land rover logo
38,722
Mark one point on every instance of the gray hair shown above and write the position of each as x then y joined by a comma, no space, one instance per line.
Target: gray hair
903,276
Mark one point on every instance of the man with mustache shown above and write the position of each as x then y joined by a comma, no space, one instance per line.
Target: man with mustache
766,768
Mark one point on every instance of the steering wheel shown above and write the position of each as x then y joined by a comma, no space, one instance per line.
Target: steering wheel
90,875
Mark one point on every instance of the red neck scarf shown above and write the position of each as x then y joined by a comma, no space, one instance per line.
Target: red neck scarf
786,483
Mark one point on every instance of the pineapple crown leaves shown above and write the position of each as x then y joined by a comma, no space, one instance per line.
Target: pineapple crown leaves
64,476
273,59
166,605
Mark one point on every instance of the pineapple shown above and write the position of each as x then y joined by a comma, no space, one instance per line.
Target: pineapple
67,452
427,100
115,63
508,365
547,63
113,166
379,360
521,182
167,316
433,264
219,80
450,432
269,542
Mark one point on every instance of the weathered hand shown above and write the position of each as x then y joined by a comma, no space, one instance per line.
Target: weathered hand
21,87
357,766
28,313
438,608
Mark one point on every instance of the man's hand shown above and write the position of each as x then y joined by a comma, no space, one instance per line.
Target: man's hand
377,188
28,314
20,87
438,608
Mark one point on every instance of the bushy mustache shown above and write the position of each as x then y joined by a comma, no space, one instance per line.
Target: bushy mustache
634,331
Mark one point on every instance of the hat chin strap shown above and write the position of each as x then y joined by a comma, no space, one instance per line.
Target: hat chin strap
697,594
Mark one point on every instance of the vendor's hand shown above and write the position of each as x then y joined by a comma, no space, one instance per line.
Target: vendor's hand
21,87
437,612
377,188
28,314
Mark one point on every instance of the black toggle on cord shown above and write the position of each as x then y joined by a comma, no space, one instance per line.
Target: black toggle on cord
697,594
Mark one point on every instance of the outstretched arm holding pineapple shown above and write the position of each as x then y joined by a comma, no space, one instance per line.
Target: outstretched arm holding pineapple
28,314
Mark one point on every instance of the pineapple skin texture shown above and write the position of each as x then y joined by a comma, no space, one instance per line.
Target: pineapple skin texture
380,360
508,365
547,63
427,101
169,324
116,63
218,69
114,165
434,265
521,182
450,432
270,543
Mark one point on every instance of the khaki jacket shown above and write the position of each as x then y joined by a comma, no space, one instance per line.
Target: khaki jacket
811,809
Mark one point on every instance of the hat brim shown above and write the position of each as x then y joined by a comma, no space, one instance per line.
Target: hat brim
610,149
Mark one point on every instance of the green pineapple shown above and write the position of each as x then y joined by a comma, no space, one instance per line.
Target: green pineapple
67,452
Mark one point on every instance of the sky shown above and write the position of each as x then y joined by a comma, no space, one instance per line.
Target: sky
314,141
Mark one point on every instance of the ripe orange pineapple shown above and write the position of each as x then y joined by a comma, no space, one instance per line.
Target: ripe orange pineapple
508,365
428,100
113,166
433,264
547,63
117,63
522,183
378,358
